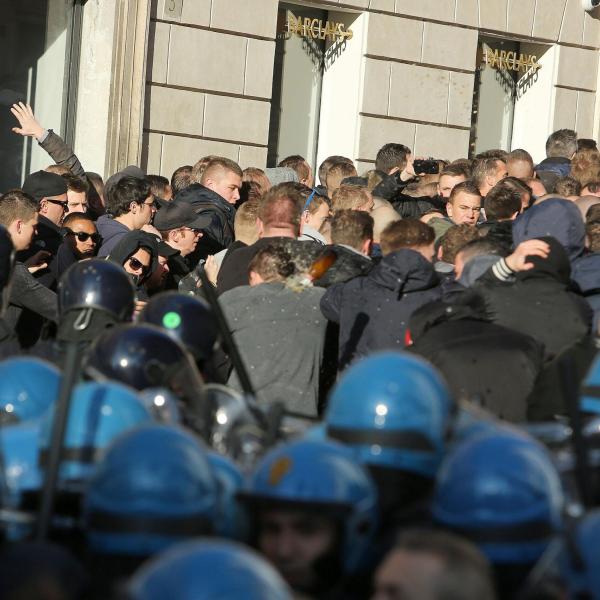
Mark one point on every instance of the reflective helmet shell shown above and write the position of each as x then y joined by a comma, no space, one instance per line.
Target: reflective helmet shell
207,570
323,474
502,490
141,356
28,387
154,487
394,410
99,413
185,318
98,284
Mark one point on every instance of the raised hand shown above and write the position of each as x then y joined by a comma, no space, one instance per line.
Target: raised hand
29,125
517,261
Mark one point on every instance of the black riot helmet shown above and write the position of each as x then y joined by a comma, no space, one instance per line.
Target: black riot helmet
97,284
7,263
188,319
144,356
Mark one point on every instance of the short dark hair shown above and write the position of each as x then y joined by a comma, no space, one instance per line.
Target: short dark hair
297,163
407,233
16,204
467,187
592,230
76,216
561,143
593,213
126,191
181,178
272,263
466,573
351,227
158,185
76,184
586,144
391,156
339,171
501,203
567,186
455,239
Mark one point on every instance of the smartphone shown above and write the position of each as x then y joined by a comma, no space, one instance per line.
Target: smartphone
428,167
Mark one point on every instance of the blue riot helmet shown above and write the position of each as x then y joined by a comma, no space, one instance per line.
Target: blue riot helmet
28,387
502,491
394,410
187,319
231,522
589,399
580,560
99,413
207,570
93,295
154,487
7,264
321,477
144,356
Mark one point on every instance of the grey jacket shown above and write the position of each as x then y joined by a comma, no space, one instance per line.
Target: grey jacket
61,153
280,333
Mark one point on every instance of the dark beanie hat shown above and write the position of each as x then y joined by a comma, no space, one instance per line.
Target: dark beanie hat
44,185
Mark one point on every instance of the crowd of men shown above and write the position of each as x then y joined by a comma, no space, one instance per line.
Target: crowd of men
262,384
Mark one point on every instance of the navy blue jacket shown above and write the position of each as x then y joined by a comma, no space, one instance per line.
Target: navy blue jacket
373,310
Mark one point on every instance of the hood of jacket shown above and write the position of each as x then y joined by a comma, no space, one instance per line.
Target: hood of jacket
404,271
586,272
557,218
130,244
555,266
108,227
201,198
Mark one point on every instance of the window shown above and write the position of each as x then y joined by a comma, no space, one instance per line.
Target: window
38,66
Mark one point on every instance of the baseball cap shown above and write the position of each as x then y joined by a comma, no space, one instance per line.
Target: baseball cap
44,185
180,214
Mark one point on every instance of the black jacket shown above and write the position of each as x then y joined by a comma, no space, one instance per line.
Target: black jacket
49,237
348,265
31,304
219,234
373,310
484,363
540,303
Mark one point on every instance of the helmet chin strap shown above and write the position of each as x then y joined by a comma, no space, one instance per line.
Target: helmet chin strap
83,320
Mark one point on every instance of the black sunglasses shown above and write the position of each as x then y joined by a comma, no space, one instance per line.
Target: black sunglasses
82,236
65,204
135,264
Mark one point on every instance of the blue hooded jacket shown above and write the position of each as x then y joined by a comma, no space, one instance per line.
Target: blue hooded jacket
557,218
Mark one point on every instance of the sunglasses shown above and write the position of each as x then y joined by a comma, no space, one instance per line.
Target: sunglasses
65,204
82,236
135,264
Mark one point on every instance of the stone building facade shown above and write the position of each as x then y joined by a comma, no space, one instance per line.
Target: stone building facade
164,82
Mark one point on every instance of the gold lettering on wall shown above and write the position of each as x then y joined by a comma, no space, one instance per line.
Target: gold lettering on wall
317,29
511,61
